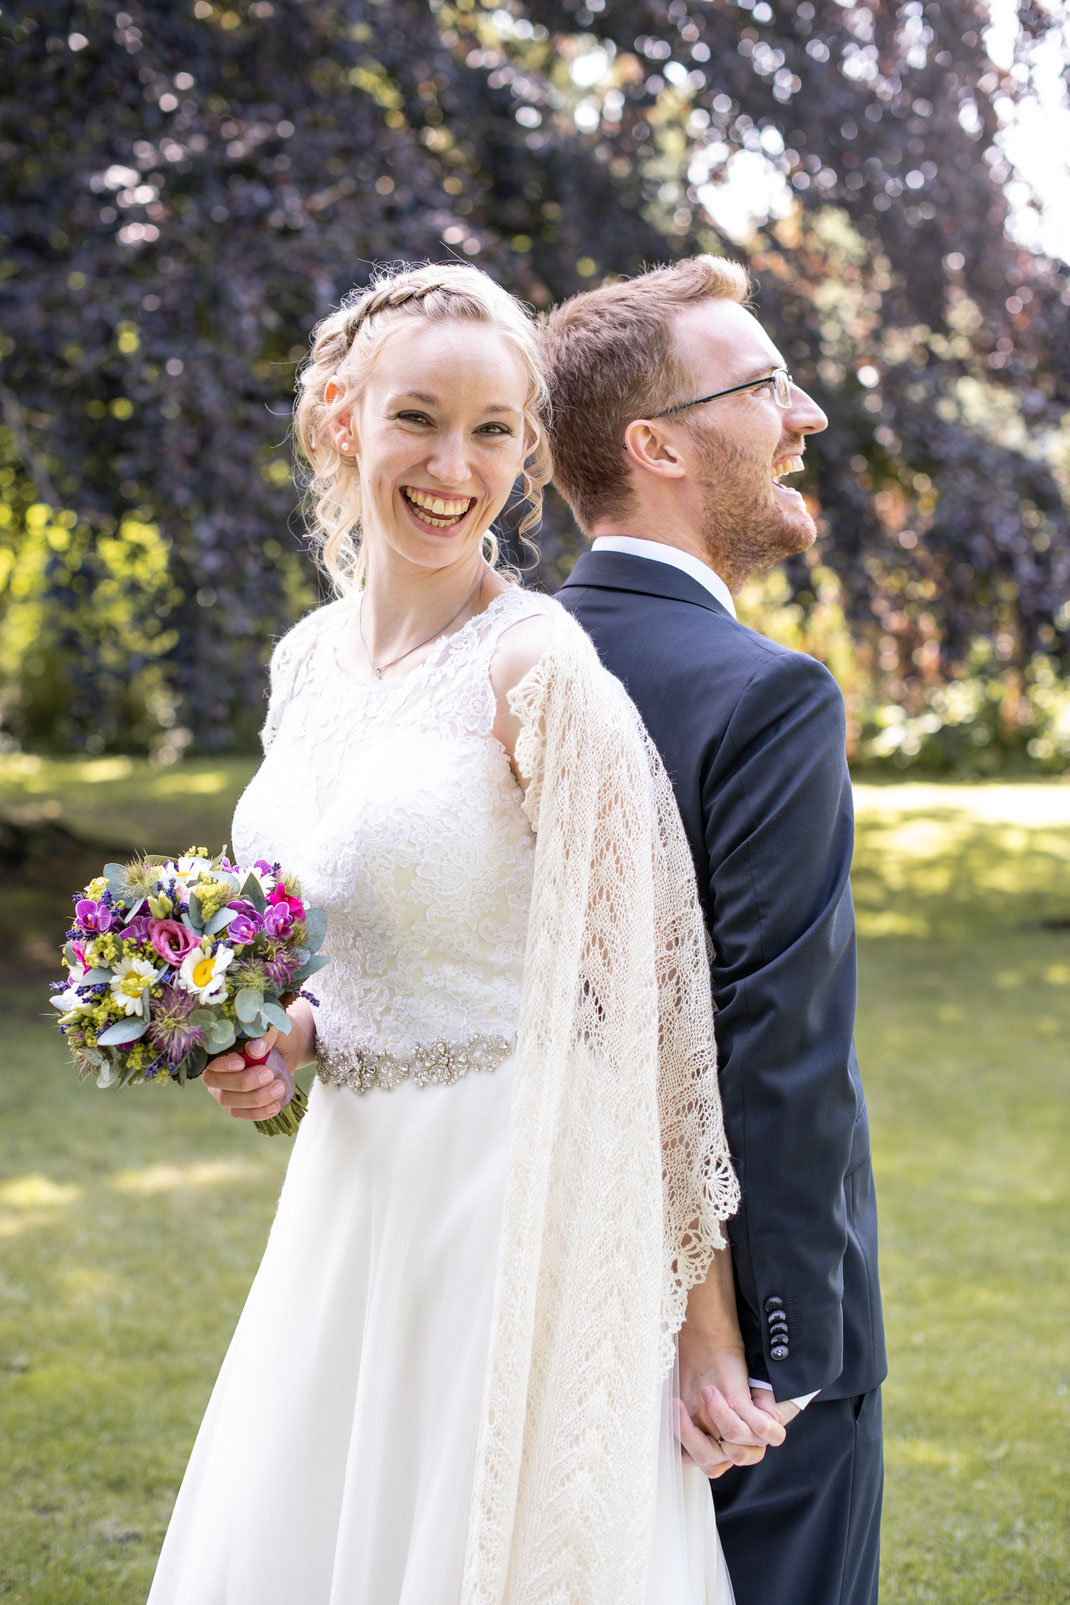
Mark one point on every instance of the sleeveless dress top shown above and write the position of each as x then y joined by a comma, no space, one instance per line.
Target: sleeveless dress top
335,1463
399,812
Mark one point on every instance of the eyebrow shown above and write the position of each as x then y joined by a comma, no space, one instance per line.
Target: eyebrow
763,373
433,401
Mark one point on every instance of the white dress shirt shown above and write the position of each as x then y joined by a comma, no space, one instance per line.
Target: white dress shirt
658,552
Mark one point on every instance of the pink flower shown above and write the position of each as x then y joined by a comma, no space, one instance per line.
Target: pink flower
277,919
281,896
172,940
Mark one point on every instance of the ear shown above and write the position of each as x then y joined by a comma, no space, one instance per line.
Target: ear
653,450
341,425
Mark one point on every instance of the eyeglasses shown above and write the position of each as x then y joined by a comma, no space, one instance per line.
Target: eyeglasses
780,378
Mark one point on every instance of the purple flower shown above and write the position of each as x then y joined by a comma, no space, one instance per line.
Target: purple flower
139,929
247,925
93,916
279,969
172,940
277,919
170,1030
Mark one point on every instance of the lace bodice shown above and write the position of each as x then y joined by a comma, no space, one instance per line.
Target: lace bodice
397,808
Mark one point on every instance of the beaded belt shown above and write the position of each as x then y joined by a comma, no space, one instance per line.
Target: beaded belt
439,1064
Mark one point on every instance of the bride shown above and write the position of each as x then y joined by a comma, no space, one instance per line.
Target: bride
453,1378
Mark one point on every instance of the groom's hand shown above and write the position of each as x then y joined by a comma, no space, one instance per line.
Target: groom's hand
783,1412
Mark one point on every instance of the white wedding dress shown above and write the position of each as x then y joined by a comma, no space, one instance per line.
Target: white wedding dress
334,1464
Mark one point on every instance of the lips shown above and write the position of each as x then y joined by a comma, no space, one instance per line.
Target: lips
438,512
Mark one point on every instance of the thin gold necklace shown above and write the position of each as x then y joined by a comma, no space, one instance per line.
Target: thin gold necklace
379,667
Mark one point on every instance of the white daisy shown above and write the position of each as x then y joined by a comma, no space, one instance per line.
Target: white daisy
131,983
204,973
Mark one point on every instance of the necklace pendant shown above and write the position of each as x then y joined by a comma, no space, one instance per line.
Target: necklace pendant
378,672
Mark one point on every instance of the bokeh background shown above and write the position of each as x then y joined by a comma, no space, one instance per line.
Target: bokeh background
185,187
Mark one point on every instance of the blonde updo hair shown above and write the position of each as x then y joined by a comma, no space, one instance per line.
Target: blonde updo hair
347,342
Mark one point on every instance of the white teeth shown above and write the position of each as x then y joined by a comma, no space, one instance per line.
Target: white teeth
787,465
438,506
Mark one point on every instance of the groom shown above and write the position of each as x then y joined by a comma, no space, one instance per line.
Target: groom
675,424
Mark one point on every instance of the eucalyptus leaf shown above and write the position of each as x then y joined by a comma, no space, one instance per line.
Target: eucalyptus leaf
221,1035
247,1004
316,925
220,920
253,893
315,962
95,977
205,1018
194,1062
129,1030
106,1075
194,918
275,1015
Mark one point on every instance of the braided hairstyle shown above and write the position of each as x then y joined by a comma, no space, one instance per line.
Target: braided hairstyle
344,346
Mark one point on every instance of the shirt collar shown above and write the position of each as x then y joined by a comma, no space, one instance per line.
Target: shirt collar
658,552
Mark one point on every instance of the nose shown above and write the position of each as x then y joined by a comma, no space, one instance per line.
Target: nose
448,461
802,414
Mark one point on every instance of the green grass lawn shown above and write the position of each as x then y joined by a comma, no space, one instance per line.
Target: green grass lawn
131,1223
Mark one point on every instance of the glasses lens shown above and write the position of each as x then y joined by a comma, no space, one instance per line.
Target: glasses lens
782,387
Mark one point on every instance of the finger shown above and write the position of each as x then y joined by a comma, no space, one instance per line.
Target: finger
242,1103
782,1413
740,1421
231,1075
702,1451
260,1047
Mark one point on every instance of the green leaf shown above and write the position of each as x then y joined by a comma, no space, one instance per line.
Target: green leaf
220,920
316,924
316,962
221,1035
205,1018
194,917
194,1062
253,893
247,1004
275,1015
96,977
129,1030
106,1075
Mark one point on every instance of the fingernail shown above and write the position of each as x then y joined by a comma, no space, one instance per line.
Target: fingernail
264,1077
277,1090
256,1047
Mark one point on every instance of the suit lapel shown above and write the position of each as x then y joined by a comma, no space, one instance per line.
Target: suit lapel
620,571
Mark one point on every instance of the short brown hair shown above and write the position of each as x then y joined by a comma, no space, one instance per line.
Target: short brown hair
610,357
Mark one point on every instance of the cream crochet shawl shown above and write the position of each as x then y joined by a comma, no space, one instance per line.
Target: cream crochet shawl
618,1170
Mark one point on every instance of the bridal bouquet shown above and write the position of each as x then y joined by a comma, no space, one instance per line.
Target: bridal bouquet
172,961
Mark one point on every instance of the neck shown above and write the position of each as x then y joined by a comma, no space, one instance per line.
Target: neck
402,603
659,526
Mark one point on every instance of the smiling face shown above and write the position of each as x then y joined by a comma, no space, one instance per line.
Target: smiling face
438,435
739,448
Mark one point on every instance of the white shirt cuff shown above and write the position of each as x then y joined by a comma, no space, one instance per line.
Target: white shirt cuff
800,1403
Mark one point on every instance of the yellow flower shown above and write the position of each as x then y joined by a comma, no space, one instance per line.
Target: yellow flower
96,888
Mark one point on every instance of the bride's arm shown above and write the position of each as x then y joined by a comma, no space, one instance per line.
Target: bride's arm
714,1385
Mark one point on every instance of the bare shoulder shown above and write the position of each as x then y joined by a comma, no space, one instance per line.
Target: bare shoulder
518,650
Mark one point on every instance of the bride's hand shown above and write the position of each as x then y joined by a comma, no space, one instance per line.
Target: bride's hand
253,1091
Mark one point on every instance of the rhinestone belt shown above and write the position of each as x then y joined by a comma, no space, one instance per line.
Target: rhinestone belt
439,1064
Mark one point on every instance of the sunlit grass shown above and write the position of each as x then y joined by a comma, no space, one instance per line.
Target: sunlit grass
131,1222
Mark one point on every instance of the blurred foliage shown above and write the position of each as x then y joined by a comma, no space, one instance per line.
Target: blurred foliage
188,186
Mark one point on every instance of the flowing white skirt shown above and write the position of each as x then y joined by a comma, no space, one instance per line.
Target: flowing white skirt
335,1460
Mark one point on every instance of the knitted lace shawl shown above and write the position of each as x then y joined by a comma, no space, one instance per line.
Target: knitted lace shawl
618,1170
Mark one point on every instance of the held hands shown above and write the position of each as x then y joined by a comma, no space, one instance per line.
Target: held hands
719,1421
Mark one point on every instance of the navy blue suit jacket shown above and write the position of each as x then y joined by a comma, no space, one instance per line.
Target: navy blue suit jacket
752,735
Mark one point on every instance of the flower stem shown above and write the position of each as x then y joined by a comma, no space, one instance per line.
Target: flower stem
286,1122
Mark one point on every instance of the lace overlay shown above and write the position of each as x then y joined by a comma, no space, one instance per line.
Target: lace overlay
398,810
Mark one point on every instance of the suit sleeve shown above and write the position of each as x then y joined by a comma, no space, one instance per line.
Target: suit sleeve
779,835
